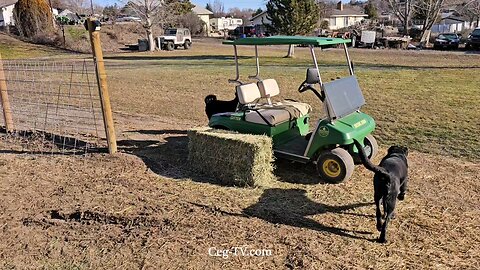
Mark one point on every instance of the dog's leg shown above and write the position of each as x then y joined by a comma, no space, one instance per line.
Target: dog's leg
390,202
377,198
403,189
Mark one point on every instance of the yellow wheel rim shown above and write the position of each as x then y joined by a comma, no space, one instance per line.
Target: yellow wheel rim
331,168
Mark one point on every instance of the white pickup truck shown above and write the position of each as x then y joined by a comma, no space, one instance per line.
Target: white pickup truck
174,38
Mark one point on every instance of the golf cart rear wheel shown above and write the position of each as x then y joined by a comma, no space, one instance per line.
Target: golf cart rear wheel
187,44
335,166
370,148
170,46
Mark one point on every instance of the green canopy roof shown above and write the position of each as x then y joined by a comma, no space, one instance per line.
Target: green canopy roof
288,40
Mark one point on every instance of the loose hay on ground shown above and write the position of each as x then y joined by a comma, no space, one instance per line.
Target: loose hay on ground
232,158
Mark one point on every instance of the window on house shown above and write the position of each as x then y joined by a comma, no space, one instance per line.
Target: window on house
345,21
333,22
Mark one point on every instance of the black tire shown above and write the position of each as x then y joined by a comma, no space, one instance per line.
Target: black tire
170,46
371,149
335,166
468,47
187,45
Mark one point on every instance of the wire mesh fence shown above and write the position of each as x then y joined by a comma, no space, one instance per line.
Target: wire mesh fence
55,105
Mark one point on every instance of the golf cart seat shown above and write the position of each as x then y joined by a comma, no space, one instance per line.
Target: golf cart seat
249,95
269,88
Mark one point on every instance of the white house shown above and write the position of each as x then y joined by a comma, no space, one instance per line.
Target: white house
6,12
451,24
259,21
204,15
344,17
221,24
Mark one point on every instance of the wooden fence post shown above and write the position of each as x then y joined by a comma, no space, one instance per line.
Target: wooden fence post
102,84
7,110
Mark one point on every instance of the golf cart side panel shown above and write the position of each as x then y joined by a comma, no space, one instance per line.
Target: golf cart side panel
280,133
341,132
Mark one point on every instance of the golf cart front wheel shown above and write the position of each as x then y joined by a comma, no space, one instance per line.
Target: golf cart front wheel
335,166
370,148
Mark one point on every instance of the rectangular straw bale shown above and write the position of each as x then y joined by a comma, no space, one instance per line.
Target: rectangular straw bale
232,158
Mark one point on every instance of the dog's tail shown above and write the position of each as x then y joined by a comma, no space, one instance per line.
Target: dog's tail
366,162
210,99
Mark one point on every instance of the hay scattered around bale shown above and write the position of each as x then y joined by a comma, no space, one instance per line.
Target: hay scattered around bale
234,159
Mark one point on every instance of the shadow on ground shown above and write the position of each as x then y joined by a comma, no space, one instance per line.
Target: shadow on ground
167,155
292,207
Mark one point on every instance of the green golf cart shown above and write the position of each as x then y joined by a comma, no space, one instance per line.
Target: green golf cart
330,145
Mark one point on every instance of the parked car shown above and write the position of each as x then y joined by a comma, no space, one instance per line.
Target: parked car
241,32
174,38
447,41
473,40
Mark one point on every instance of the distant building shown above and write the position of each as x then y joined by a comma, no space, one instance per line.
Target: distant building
6,12
344,17
451,24
204,15
224,24
259,21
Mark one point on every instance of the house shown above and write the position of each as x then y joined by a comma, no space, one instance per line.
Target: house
6,12
344,17
259,21
451,24
204,15
73,17
224,24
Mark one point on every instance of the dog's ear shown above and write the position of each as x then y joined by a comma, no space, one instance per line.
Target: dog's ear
405,150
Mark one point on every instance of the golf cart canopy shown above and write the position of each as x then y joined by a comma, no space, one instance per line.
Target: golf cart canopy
288,40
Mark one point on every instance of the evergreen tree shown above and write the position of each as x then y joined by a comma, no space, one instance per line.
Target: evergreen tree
33,18
258,11
208,7
292,17
371,11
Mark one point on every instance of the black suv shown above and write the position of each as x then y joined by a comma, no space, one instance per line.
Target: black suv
473,40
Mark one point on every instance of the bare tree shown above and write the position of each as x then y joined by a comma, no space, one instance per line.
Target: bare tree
150,12
471,10
404,10
429,10
218,8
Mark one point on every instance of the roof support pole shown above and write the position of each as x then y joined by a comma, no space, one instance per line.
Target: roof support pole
349,62
257,75
315,63
236,80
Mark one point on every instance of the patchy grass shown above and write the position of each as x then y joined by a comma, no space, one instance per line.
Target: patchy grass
431,108
11,48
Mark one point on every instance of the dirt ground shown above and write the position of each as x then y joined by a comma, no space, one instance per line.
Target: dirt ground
142,209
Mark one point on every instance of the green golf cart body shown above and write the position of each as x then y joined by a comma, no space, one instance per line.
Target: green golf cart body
330,145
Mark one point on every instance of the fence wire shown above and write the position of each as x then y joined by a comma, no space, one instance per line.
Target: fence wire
55,105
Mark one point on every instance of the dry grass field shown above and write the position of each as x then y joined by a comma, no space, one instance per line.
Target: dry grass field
144,209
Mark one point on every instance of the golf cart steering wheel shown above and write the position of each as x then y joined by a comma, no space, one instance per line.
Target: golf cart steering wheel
305,86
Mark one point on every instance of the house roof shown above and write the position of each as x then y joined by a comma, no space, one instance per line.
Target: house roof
6,3
347,12
201,11
258,15
452,20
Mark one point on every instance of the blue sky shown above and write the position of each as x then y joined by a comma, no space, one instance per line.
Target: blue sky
228,3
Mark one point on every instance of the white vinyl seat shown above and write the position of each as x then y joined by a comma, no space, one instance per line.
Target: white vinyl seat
249,95
269,88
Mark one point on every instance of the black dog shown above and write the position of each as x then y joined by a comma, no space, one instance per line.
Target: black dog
389,182
214,106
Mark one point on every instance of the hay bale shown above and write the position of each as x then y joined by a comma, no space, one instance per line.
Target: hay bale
234,159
